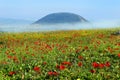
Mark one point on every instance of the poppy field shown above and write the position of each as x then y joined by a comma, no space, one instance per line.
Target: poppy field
60,55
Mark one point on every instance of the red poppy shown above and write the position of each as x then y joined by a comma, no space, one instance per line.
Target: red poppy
95,64
36,43
44,63
98,42
110,49
119,55
80,57
55,73
48,47
9,56
92,71
118,44
66,63
7,52
77,51
60,67
101,65
36,68
100,35
11,73
116,48
33,54
15,59
52,73
107,64
63,51
80,64
86,47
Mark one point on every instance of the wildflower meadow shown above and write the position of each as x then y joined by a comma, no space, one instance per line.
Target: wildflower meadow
60,55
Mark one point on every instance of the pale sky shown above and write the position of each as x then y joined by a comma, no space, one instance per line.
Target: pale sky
35,9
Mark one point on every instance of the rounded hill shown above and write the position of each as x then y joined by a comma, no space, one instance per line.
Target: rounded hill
58,18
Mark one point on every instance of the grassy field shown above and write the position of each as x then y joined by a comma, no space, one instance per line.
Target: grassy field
60,55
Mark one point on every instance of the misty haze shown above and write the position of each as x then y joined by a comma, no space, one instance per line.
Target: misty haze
37,28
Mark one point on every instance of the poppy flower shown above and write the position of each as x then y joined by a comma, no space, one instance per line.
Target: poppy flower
48,47
110,49
92,71
15,59
52,73
80,64
33,54
36,68
63,51
60,67
119,55
116,48
101,65
77,51
66,63
36,43
107,64
98,42
11,73
10,57
44,63
80,57
95,64
55,73
86,47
